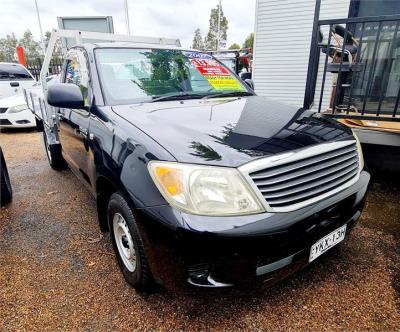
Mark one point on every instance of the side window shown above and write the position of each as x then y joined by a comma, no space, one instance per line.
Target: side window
77,73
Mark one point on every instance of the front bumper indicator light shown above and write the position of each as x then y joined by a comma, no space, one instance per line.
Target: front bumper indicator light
204,190
17,109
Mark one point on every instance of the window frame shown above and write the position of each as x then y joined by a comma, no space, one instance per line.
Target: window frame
74,52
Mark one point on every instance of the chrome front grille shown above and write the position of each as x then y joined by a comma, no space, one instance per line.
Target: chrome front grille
300,178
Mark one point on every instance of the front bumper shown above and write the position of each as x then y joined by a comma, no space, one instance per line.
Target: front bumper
238,251
23,119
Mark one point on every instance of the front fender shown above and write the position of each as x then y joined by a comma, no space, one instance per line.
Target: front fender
121,153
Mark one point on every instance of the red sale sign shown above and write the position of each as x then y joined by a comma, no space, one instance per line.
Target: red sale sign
209,67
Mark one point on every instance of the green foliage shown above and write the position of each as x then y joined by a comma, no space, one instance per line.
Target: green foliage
57,52
9,44
8,48
31,47
248,43
198,40
168,69
234,46
211,40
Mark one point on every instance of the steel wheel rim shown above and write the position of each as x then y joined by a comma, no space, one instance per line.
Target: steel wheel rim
124,241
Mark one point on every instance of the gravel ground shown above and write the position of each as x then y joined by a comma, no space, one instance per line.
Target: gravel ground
57,272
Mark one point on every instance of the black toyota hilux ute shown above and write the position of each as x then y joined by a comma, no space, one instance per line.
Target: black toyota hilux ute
197,178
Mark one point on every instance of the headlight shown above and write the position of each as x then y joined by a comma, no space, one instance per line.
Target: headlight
359,151
16,109
204,190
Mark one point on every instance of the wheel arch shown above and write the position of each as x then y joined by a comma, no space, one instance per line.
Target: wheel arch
105,187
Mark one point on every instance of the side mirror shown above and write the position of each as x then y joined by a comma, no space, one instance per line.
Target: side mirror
65,95
250,83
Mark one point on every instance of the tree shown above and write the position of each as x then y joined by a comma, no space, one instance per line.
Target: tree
248,43
198,40
9,44
234,46
211,40
57,52
47,36
8,48
31,47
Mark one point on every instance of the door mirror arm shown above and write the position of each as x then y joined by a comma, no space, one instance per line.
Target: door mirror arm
98,112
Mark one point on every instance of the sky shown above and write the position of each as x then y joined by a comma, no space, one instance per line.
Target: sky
158,18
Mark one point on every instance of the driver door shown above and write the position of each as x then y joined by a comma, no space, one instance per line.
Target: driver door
74,123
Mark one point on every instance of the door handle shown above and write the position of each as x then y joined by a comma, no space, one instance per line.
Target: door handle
14,84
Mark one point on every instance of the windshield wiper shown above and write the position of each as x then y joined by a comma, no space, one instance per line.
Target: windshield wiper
177,97
229,94
186,95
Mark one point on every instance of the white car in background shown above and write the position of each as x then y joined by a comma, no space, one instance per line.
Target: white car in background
14,112
13,78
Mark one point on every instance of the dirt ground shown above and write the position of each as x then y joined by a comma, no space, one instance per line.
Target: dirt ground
57,272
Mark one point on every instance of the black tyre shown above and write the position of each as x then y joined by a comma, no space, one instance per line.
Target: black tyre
39,125
128,245
54,155
5,184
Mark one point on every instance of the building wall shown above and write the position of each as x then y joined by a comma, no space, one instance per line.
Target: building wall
283,30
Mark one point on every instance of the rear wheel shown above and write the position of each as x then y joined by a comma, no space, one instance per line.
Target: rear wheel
54,155
5,184
128,244
39,125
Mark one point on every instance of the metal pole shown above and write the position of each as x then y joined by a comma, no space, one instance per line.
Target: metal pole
40,28
219,25
128,29
312,71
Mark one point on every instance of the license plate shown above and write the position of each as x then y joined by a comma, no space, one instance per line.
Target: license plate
327,242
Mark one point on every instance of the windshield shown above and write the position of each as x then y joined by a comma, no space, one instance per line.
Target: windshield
13,72
136,75
230,63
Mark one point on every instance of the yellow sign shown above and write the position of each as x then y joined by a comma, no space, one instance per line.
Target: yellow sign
222,83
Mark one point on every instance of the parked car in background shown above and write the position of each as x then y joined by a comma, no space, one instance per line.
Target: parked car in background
5,184
197,178
13,78
14,111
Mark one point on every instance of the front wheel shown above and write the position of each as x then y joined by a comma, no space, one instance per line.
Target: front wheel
54,155
127,243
